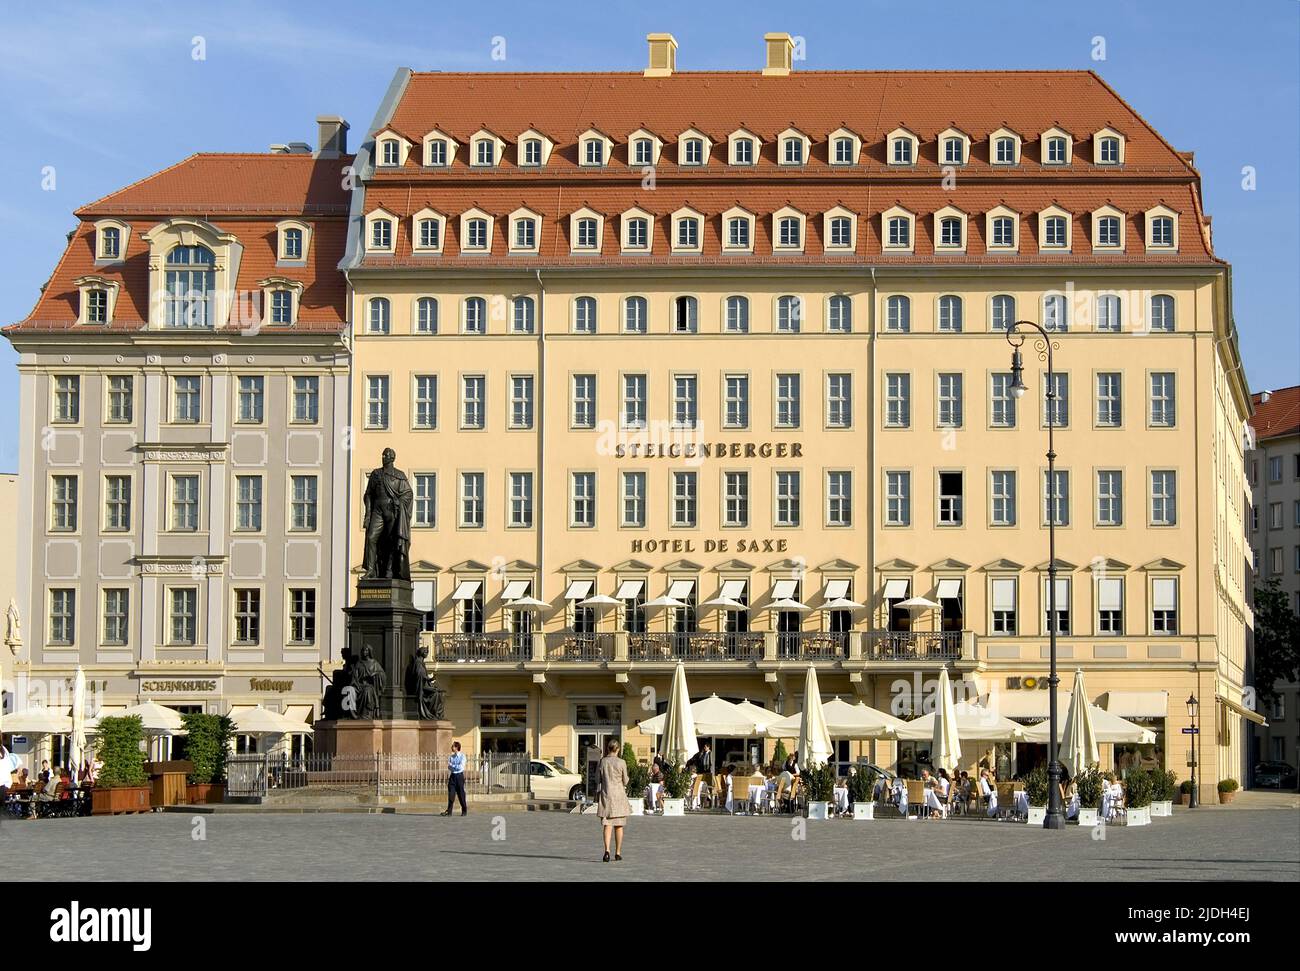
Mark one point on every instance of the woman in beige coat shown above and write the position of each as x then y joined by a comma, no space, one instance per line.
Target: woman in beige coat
611,803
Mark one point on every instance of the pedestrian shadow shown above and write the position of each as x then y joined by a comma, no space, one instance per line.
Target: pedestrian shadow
519,856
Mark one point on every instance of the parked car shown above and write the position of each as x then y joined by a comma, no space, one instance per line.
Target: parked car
1275,775
546,779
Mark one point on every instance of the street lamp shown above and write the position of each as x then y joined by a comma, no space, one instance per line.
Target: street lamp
1055,818
1192,799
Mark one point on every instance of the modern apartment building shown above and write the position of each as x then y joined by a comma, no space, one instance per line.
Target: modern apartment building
712,367
181,508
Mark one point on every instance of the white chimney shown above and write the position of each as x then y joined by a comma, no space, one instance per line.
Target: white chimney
780,54
1264,396
663,55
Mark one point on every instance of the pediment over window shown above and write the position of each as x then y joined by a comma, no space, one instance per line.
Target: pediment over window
1107,564
580,566
424,566
520,566
787,566
896,564
1162,563
1002,565
470,566
1061,565
837,565
948,565
734,566
683,566
632,566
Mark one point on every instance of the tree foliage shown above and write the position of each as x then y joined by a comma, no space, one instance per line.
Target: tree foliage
1277,640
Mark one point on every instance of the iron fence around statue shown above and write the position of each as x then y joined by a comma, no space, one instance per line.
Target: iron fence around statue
257,776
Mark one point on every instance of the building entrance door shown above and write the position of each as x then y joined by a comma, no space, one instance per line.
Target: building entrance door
591,749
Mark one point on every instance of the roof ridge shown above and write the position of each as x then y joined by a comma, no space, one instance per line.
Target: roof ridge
750,73
135,184
1142,121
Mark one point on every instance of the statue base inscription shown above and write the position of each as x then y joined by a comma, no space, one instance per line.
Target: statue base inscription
362,737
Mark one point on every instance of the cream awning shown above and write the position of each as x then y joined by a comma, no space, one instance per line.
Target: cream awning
298,713
949,590
1164,593
467,590
1246,713
896,589
630,589
682,589
1138,704
785,589
422,595
579,589
836,590
732,590
516,589
1004,594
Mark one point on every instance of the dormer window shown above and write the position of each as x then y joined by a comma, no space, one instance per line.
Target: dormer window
896,224
1162,231
110,243
643,152
738,233
792,151
841,233
636,232
190,282
430,233
902,151
293,239
1004,151
688,233
586,236
1108,151
485,152
1002,232
96,305
789,233
525,233
950,234
476,234
593,152
282,306
381,234
843,151
98,296
532,155
280,300
1109,231
1054,229
693,151
742,151
954,151
292,244
436,152
390,152
1057,150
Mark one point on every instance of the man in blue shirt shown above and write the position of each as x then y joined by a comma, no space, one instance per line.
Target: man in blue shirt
456,779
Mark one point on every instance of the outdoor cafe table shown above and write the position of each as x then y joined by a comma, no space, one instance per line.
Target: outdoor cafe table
841,799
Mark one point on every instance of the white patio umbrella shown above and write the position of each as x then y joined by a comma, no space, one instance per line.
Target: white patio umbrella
679,741
786,603
156,721
600,601
973,722
664,601
38,720
840,603
263,723
843,720
762,716
1107,726
945,744
78,720
724,602
918,603
713,716
814,742
527,602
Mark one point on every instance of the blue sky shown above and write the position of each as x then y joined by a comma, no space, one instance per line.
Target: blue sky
108,98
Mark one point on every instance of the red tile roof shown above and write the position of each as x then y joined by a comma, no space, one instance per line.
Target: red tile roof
245,195
1278,416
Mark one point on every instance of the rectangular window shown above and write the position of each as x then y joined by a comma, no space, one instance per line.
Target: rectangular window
248,616
584,401
67,399
302,516
1110,498
424,509
839,400
1003,598
634,503
63,499
1164,498
736,403
582,486
637,233
521,500
251,399
472,394
839,498
63,616
685,499
1164,605
183,609
898,498
471,500
306,399
282,306
248,503
377,401
951,498
425,402
121,399
787,499
1056,405
634,394
1110,606
1056,501
1275,469
898,400
1162,399
1109,411
117,503
186,400
685,400
1002,408
521,401
787,401
1002,494
1061,621
949,411
117,602
302,616
735,500
185,503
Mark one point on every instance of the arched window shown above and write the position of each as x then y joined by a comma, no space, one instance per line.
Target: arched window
950,314
1054,232
584,315
898,314
586,233
839,314
523,316
1004,231
191,284
475,315
110,243
1056,312
685,315
1162,313
1108,310
789,314
900,231
426,316
293,244
1108,231
950,231
1162,231
380,316
737,315
634,315
1003,312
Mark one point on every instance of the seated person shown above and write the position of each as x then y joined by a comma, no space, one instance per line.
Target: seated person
989,791
725,788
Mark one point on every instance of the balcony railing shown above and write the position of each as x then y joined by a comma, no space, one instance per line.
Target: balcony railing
914,646
480,648
812,645
572,646
696,646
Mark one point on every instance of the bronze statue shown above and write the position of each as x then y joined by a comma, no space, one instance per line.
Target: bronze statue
388,503
424,687
340,686
369,680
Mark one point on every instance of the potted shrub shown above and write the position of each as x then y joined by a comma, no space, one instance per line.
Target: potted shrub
207,745
1163,784
779,755
122,786
638,778
819,783
1036,793
1090,785
677,783
1227,790
862,783
1137,798
1185,792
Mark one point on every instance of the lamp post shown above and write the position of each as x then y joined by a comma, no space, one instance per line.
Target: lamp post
1193,798
1055,818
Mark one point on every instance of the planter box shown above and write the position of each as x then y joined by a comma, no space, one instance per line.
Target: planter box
674,807
1036,815
107,802
635,807
1227,797
1140,816
1088,817
205,793
1184,798
819,810
864,810
1165,808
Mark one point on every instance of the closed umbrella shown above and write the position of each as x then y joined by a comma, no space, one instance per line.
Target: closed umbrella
78,720
1079,738
679,742
815,746
945,744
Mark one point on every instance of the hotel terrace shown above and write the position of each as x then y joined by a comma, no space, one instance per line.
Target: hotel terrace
712,367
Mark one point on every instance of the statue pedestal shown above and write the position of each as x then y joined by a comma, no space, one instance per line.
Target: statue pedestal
385,620
358,737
